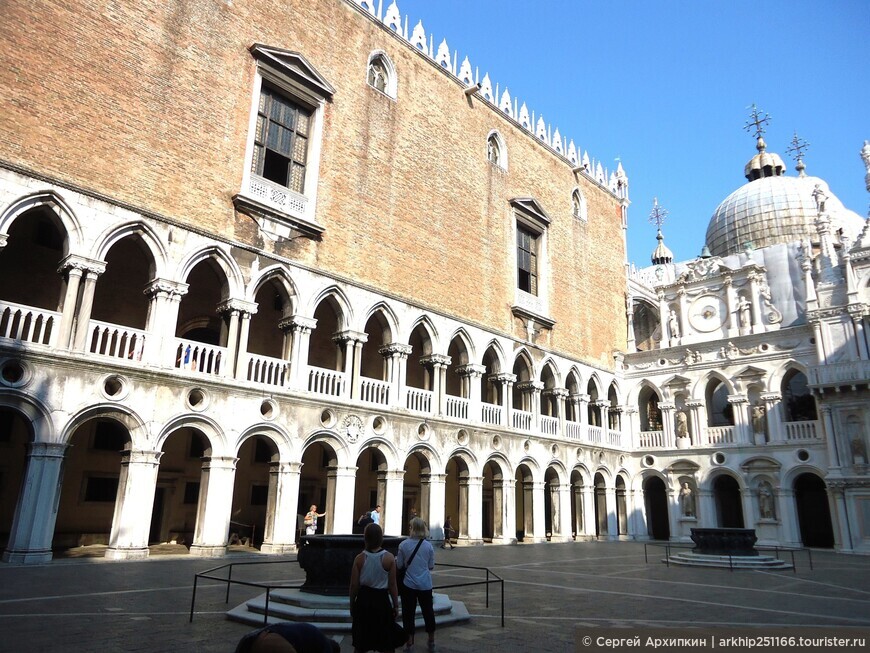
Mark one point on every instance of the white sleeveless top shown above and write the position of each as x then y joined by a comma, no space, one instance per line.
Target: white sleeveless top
373,573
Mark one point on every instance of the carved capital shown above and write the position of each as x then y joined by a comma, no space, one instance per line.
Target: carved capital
503,377
738,399
471,370
166,288
396,349
350,336
240,305
81,265
435,360
529,386
555,392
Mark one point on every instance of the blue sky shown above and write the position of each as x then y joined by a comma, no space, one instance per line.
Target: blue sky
664,86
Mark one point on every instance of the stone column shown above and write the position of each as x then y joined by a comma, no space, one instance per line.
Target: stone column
165,298
563,495
83,320
531,392
697,421
474,531
830,436
631,345
509,511
583,407
667,408
705,508
437,495
394,486
35,515
282,538
589,526
425,499
742,429
786,510
70,303
612,524
215,506
733,321
754,295
396,355
353,342
471,375
577,506
842,530
773,416
507,385
238,311
856,312
244,333
437,365
498,510
300,328
602,407
539,531
340,487
134,504
633,419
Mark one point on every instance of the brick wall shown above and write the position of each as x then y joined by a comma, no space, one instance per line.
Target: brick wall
149,102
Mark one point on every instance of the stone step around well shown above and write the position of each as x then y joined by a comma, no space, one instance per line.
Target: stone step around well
724,562
329,613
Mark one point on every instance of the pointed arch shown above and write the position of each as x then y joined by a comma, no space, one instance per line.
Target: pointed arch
339,303
57,205
496,149
593,386
497,356
578,205
550,375
462,335
388,320
278,275
231,271
425,322
145,233
381,74
574,381
524,365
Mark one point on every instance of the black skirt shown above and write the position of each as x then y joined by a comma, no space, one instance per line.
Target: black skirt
373,626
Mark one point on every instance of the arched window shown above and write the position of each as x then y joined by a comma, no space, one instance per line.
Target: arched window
496,151
382,74
719,411
578,204
800,406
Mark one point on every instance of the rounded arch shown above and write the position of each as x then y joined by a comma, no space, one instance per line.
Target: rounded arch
638,480
559,468
381,74
206,425
35,412
496,149
433,458
277,434
606,475
644,384
385,447
581,471
501,461
532,465
331,440
231,271
147,236
134,424
790,476
57,205
467,456
775,379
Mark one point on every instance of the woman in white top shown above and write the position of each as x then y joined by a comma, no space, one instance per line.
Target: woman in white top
372,585
418,581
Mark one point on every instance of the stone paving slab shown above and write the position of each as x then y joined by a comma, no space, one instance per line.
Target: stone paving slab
91,604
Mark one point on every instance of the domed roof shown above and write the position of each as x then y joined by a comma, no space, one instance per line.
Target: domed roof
772,208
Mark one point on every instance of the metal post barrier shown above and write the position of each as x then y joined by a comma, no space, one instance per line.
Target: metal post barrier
266,611
229,583
193,599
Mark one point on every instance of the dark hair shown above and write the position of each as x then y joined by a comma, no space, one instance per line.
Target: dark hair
373,536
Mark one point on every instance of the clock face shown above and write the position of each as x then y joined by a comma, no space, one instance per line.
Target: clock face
707,313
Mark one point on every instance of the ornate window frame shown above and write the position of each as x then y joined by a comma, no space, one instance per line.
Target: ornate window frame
579,206
529,215
496,138
277,210
391,78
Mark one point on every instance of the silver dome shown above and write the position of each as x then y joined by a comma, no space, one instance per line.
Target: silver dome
775,209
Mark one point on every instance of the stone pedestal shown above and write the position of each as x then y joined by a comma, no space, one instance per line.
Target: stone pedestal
328,559
724,541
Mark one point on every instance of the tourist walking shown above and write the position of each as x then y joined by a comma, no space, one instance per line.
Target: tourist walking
376,515
374,596
448,533
417,557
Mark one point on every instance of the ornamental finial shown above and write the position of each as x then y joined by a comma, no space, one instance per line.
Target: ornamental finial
658,215
757,122
796,150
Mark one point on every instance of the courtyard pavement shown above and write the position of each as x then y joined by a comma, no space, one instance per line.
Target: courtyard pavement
554,593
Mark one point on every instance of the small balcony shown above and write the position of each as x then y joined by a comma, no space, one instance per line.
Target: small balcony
846,373
801,431
27,324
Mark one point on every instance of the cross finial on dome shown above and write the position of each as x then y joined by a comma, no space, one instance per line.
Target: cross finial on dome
796,150
757,122
658,215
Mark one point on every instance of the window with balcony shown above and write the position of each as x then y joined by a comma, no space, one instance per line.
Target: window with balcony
531,227
279,186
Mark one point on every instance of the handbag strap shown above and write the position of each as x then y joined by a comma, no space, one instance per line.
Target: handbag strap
416,548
